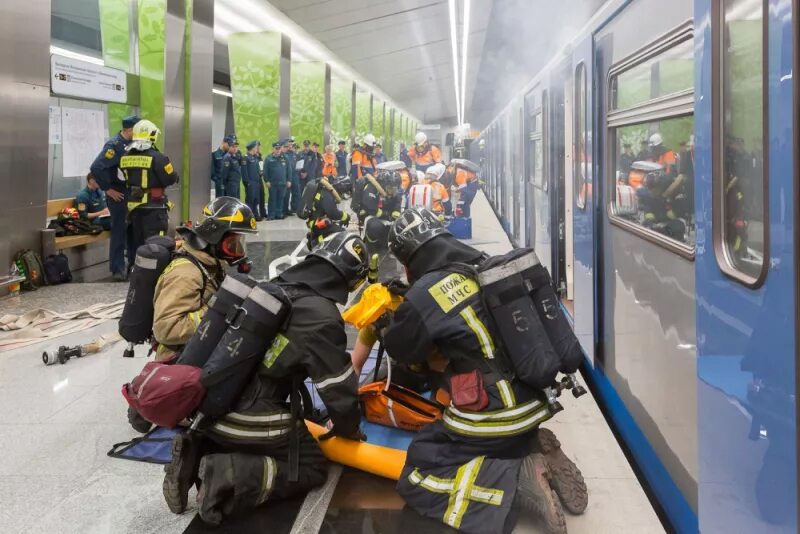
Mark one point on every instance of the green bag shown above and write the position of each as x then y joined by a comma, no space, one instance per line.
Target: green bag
34,269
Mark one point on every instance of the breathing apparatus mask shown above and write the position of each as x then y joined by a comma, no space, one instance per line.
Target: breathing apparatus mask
233,249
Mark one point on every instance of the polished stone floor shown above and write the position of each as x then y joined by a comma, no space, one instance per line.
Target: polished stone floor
58,422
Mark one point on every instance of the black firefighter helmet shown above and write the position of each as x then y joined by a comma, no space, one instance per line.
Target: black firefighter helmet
225,219
414,228
348,255
390,181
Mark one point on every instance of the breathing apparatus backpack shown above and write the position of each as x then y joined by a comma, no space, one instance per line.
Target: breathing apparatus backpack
152,258
307,200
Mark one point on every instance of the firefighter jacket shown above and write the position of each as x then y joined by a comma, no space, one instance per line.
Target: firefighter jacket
182,294
147,174
443,313
326,206
376,203
362,163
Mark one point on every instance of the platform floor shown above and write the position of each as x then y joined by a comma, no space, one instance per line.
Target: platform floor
58,422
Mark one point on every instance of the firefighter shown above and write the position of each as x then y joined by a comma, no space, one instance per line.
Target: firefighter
462,174
423,154
261,451
326,217
381,202
147,173
187,284
440,196
486,458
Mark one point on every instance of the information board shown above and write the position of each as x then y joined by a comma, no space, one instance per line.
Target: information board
73,77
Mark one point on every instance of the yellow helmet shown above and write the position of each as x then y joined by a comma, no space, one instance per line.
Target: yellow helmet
145,130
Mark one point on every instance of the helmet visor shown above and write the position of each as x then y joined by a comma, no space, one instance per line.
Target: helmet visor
233,248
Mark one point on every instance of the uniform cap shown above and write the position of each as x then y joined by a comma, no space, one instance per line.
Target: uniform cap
130,121
315,144
342,143
306,142
253,144
230,139
277,144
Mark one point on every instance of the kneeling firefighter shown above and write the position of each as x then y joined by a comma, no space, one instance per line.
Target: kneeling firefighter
320,208
381,201
261,449
486,458
171,287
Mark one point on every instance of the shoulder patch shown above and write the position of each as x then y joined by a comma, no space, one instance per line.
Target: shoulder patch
110,153
275,350
168,168
452,290
81,207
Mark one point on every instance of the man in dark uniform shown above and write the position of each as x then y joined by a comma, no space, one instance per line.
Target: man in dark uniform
404,157
105,170
276,174
486,458
216,164
326,218
260,451
91,203
292,199
231,175
310,161
626,159
148,173
380,157
253,182
644,151
341,159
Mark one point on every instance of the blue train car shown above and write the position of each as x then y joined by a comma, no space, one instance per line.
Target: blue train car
653,164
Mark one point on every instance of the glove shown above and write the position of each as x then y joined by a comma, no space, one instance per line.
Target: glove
396,286
332,433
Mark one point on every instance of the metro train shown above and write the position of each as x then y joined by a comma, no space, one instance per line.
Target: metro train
653,166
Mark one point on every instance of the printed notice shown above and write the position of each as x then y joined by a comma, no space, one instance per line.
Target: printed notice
83,133
55,125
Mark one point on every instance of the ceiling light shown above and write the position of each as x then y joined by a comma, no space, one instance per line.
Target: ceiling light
454,46
464,42
76,55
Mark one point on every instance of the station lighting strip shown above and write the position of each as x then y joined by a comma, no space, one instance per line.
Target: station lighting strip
460,88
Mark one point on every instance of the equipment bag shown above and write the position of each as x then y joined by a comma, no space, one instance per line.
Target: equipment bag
34,270
155,447
307,200
164,393
627,202
520,289
398,407
252,327
231,294
420,196
56,269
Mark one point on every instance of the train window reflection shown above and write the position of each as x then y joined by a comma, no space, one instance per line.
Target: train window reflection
655,177
581,162
667,73
742,177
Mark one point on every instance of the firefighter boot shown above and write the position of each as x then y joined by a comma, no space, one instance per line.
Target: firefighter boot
233,483
565,477
181,472
535,496
139,423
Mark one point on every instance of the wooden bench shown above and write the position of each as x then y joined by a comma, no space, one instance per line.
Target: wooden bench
51,243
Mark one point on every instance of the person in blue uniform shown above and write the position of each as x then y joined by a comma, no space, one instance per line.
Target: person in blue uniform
105,170
341,159
404,157
252,177
216,164
276,174
380,157
231,175
292,198
91,203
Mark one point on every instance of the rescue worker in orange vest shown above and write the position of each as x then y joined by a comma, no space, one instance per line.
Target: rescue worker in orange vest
423,154
662,155
462,175
362,163
440,195
329,162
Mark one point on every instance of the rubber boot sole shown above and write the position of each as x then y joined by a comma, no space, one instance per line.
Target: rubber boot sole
179,474
535,495
565,477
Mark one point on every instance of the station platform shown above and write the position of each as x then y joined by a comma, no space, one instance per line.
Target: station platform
57,423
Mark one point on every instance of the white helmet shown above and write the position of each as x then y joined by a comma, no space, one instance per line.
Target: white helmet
369,140
421,138
420,176
656,139
145,135
435,171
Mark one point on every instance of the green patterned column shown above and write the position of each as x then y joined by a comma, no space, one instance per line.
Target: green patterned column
152,27
115,35
255,63
341,110
389,144
307,101
362,115
377,120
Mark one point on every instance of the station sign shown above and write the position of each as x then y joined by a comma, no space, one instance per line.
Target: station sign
73,77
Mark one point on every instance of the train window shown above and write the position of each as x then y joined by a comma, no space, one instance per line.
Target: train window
670,72
740,222
581,164
655,177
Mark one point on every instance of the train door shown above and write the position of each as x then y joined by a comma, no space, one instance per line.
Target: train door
642,189
516,175
539,222
747,268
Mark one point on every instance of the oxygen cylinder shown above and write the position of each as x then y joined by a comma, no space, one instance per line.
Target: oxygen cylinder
376,234
136,322
228,298
252,328
524,269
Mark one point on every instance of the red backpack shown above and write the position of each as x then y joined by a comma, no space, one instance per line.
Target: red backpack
165,394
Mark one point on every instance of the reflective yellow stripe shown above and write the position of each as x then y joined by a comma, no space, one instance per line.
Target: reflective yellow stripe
480,331
459,499
430,482
135,162
267,479
506,393
196,317
487,496
466,427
